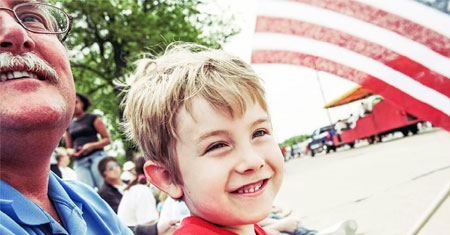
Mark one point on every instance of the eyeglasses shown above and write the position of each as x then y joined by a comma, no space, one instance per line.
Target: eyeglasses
111,165
42,18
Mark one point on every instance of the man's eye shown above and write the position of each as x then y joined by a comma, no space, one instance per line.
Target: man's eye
29,19
259,133
34,21
215,146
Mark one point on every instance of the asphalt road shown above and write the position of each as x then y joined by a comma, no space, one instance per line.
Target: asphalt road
386,187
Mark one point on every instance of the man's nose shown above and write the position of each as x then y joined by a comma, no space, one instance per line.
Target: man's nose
13,37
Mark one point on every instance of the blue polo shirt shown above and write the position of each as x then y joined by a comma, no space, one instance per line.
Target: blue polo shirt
80,209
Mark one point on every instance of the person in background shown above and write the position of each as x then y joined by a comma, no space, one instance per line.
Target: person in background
112,191
63,164
83,143
282,222
54,165
37,96
112,188
138,204
173,210
298,149
129,173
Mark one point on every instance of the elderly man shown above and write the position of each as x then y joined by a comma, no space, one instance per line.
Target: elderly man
37,102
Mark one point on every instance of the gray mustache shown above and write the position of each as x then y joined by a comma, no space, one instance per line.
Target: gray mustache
28,62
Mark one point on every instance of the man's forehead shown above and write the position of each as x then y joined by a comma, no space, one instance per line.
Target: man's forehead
12,3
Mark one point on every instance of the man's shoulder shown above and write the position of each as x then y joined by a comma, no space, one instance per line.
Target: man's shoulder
8,226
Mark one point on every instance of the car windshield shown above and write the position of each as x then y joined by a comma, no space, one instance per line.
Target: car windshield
327,128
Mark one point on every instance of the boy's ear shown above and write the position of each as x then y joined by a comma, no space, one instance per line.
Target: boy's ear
159,176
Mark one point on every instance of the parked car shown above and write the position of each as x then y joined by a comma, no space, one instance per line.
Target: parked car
322,139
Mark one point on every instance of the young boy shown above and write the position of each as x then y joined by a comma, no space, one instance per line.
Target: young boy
201,119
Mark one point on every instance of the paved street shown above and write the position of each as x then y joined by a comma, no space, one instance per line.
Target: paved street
385,187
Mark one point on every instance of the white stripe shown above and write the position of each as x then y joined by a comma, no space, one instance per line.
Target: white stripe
271,41
416,12
358,28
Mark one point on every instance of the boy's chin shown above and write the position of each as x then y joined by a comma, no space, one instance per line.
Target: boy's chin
239,219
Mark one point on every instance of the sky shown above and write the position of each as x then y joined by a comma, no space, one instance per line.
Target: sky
293,93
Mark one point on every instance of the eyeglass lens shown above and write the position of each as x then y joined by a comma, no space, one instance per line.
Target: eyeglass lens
111,165
42,18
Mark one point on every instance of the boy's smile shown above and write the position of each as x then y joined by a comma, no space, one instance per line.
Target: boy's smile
231,167
251,188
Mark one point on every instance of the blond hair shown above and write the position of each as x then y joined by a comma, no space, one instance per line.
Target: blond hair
161,85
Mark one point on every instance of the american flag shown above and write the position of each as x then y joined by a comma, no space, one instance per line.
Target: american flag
397,49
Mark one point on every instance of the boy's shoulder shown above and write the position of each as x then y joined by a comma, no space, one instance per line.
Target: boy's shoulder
194,225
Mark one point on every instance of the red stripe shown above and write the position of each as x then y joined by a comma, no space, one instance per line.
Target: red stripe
410,104
388,57
428,37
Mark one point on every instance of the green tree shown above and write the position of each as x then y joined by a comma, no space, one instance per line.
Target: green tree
296,139
108,35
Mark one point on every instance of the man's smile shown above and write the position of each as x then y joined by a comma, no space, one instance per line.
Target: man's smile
11,75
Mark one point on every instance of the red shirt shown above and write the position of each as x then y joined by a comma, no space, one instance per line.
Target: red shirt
194,225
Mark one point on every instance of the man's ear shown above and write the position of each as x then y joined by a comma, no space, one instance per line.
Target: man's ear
158,175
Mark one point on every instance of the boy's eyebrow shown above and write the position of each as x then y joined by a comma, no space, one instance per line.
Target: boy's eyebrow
223,132
212,133
259,121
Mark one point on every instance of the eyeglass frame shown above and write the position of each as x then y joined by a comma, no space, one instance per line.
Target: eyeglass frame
69,17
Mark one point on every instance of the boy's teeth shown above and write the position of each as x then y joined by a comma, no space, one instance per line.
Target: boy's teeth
250,188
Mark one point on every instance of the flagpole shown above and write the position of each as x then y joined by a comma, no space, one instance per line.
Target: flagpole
431,210
321,92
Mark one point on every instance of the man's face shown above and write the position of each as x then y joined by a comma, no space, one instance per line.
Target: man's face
231,168
28,102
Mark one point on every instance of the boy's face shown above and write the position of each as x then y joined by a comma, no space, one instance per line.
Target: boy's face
231,168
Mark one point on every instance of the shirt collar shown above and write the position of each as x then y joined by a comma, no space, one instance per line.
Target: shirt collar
21,209
67,205
24,211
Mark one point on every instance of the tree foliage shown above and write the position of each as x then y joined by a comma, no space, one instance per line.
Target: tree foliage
108,35
296,139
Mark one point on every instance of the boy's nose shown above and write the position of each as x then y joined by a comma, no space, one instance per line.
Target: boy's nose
13,37
250,161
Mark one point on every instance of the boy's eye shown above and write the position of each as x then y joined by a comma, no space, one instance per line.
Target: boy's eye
215,146
259,133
